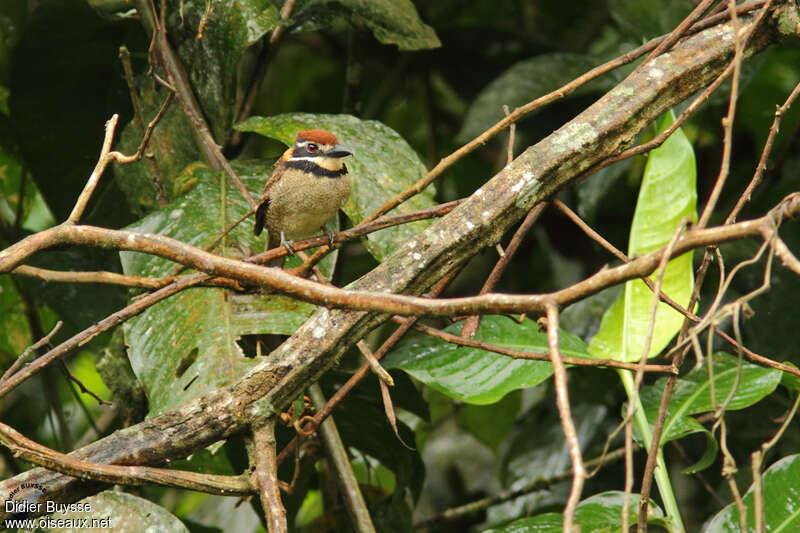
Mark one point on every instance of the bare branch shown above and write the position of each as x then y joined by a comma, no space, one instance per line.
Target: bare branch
127,475
266,475
567,423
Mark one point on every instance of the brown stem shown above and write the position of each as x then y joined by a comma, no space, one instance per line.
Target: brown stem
567,423
266,476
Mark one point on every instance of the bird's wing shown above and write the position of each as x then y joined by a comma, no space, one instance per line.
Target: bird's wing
263,202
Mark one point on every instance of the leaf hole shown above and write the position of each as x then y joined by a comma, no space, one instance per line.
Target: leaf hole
186,361
190,382
262,344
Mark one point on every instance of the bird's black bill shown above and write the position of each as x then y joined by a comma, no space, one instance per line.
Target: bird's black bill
339,151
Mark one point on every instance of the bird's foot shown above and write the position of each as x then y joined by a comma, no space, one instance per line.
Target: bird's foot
287,244
328,233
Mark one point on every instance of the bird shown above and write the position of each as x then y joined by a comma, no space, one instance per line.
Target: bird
308,185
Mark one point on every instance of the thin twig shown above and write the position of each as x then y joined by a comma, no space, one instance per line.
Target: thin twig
567,423
28,351
761,167
472,323
113,278
536,486
675,35
374,365
727,121
157,175
148,132
94,178
535,356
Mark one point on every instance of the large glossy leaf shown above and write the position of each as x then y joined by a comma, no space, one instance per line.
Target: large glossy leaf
187,345
692,393
383,164
172,144
390,21
537,451
477,376
781,501
211,37
601,513
122,512
526,81
667,196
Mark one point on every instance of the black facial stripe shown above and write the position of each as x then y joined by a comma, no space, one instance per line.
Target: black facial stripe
301,150
309,166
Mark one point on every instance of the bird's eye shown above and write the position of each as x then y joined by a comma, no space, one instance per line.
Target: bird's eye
312,147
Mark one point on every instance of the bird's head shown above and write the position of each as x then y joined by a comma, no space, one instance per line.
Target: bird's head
318,147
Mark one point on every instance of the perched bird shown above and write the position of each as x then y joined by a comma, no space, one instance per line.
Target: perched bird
308,185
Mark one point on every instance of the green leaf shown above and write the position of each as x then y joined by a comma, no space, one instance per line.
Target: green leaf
390,21
709,456
187,345
538,451
15,334
491,423
599,513
667,197
790,381
172,144
125,513
363,426
781,500
642,19
526,81
692,393
211,37
383,165
477,376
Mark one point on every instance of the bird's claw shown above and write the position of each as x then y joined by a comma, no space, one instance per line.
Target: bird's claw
328,233
287,244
